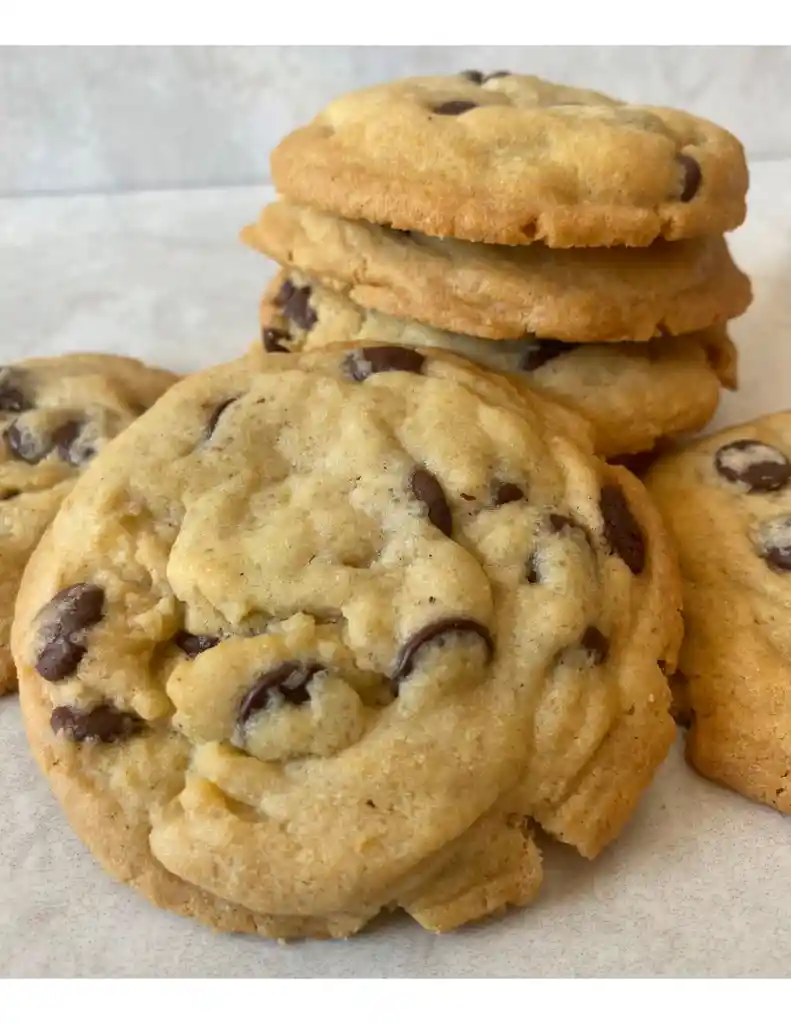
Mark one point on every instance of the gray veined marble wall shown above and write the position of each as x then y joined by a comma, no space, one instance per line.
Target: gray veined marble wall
94,119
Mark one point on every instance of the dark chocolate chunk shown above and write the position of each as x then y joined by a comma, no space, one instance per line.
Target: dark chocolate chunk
26,445
64,621
454,107
298,310
289,680
213,420
774,543
373,359
621,529
287,289
437,632
761,467
596,644
103,723
66,441
272,338
194,644
505,493
428,489
691,177
12,397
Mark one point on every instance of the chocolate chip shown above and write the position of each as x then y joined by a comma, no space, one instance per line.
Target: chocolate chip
760,466
454,107
271,338
10,492
478,77
104,723
532,574
505,493
467,497
774,543
560,523
12,397
537,353
365,362
213,420
194,644
65,440
26,445
428,489
691,177
297,308
621,529
437,632
289,681
596,644
64,621
287,289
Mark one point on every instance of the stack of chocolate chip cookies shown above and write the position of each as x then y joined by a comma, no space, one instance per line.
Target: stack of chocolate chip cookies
347,626
556,235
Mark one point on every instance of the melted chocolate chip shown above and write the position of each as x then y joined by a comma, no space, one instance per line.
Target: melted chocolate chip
621,529
213,420
537,353
12,397
759,466
66,441
194,644
774,543
596,644
10,492
532,574
505,493
25,445
289,680
271,338
691,177
103,723
298,310
560,523
287,289
454,107
428,489
478,77
437,632
65,619
365,362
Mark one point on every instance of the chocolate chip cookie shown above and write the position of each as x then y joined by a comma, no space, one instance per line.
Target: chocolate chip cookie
727,501
505,158
55,414
362,617
510,291
633,394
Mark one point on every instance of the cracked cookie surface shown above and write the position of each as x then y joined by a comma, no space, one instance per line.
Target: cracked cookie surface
513,159
363,616
56,413
500,292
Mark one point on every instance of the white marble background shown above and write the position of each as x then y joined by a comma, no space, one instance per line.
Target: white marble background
101,119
